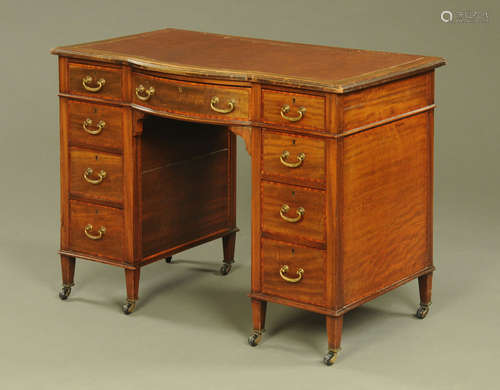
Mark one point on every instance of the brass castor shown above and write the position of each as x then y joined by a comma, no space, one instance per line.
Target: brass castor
168,259
255,338
330,357
225,269
423,310
128,307
64,293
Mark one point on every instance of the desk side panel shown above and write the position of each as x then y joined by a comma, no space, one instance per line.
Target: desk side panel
386,191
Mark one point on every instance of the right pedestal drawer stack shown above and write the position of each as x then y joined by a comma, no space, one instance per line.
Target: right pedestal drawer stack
343,192
293,217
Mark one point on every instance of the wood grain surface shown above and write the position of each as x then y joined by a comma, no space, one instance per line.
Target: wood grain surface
385,190
376,103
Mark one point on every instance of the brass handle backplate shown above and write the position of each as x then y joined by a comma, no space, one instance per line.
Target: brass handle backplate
284,159
286,109
284,270
88,80
100,176
215,100
88,122
144,94
100,233
284,210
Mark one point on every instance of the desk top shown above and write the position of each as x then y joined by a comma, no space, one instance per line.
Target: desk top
227,57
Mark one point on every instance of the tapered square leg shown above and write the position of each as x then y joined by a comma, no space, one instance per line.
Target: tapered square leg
259,321
68,275
132,279
334,333
228,243
425,288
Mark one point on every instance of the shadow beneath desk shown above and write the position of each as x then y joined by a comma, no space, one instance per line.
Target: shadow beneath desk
198,294
196,266
309,328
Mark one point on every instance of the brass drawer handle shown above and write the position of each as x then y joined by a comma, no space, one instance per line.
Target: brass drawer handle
88,79
284,270
88,122
284,210
100,233
284,157
89,172
286,109
144,94
215,101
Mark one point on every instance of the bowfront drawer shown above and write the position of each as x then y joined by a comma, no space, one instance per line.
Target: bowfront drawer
293,271
191,99
95,125
96,81
297,159
96,230
292,213
96,175
293,109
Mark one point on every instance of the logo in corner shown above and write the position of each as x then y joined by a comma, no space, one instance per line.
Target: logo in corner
447,16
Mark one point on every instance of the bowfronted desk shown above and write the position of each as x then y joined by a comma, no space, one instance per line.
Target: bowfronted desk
342,164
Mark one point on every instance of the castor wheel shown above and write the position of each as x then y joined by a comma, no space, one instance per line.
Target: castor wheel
64,293
255,338
128,307
168,259
423,310
225,268
330,357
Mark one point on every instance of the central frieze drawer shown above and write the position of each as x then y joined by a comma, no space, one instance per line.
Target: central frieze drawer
191,99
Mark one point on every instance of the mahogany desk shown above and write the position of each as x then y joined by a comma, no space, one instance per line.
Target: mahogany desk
342,164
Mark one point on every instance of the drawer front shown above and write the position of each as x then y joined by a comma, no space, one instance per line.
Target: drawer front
95,125
297,159
96,230
192,99
96,175
293,271
293,109
96,81
292,213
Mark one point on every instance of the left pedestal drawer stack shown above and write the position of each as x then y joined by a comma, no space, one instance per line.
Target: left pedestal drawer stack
92,166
